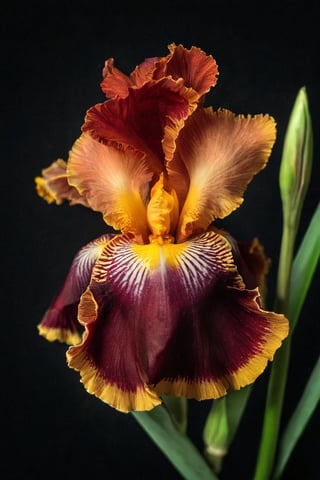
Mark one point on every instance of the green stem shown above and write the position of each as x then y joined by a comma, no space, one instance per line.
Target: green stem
279,369
285,266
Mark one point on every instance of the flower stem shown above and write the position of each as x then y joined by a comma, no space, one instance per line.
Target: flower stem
285,265
279,369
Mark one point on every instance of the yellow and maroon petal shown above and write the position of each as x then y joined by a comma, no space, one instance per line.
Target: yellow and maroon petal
221,152
115,182
171,318
148,119
227,342
107,357
53,186
60,321
129,312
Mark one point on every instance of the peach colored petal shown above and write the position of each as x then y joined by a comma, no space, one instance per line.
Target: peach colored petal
221,152
144,72
114,83
113,182
53,185
198,70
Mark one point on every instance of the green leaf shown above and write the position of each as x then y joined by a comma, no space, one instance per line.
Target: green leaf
302,414
303,268
294,177
176,446
236,404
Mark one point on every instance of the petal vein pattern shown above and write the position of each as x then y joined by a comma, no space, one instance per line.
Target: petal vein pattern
182,316
60,321
195,262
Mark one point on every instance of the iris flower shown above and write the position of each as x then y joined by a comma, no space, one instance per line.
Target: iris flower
167,303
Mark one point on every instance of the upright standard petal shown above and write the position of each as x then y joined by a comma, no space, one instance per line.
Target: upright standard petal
60,321
171,319
148,119
113,181
198,70
116,84
221,153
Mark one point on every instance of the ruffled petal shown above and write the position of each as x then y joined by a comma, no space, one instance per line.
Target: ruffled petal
113,181
60,321
225,342
251,260
115,83
129,314
145,71
171,318
107,358
221,152
198,70
53,186
148,119
253,266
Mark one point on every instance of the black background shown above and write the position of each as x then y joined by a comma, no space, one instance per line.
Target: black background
52,56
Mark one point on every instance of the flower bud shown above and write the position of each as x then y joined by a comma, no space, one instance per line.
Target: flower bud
297,157
216,434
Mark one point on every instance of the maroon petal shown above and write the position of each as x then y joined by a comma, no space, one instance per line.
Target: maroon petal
173,319
148,119
60,321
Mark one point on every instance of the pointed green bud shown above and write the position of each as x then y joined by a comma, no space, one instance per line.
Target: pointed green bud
216,434
297,157
222,424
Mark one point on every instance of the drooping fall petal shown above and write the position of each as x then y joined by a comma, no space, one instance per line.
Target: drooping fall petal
251,260
183,318
221,153
60,321
254,266
225,343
